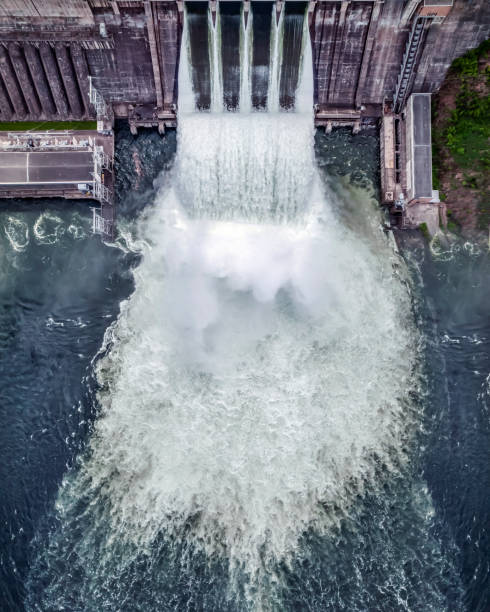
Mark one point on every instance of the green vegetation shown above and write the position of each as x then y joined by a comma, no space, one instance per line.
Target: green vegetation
425,231
462,136
36,126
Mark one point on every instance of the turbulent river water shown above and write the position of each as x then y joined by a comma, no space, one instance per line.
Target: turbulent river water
252,400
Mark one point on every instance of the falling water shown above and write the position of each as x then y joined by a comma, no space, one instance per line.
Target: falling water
216,76
304,93
245,73
187,101
256,383
276,53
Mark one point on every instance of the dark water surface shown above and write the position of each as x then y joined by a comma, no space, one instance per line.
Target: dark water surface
60,288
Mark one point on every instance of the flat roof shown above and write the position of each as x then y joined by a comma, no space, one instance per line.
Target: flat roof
421,145
34,168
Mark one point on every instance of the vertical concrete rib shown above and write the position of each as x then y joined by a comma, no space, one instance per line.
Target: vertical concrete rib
6,108
24,77
81,71
69,79
324,47
39,79
54,78
9,78
167,38
366,54
389,46
339,41
154,53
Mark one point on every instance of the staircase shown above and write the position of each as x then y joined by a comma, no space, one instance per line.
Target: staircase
409,62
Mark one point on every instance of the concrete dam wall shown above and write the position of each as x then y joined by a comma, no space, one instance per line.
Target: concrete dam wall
366,53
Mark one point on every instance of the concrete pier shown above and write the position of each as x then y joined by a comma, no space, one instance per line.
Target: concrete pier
24,78
338,43
82,75
54,79
39,79
367,52
168,30
6,109
11,84
69,80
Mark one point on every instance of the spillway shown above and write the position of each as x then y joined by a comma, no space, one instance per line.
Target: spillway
257,386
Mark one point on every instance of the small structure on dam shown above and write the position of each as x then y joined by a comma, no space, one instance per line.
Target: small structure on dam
69,164
118,59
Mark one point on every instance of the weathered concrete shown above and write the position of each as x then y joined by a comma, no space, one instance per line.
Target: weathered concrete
24,78
19,108
169,36
69,80
150,25
39,79
54,79
81,71
6,109
131,50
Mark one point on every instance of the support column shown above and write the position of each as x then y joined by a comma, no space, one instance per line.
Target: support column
69,79
23,76
154,53
339,41
11,83
39,80
168,45
54,79
246,11
279,5
6,110
212,8
311,12
366,54
81,71
323,37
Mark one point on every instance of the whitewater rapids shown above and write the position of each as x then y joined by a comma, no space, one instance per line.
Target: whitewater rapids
257,382
258,377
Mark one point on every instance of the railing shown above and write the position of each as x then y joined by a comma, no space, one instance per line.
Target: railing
101,192
98,101
101,160
45,140
100,225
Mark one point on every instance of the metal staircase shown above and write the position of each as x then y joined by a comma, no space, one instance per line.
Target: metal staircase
409,62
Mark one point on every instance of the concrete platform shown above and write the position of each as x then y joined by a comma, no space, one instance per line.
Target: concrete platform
23,169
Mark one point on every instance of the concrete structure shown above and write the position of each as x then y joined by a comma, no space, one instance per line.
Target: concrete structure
69,164
130,48
78,59
418,148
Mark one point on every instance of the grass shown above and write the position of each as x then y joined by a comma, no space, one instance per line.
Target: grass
36,126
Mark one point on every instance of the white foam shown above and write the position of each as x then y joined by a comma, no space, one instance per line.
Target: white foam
257,377
17,232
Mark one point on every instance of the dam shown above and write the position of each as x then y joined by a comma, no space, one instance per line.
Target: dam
254,399
119,60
